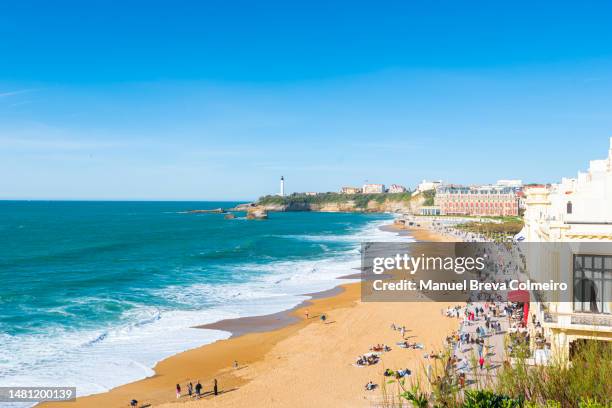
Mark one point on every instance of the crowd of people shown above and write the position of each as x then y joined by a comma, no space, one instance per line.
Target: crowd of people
196,391
449,229
367,359
192,391
374,357
380,348
479,345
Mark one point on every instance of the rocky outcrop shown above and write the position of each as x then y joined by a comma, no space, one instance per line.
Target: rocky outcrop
213,211
243,207
257,213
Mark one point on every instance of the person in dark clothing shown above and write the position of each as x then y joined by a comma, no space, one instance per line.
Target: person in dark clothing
215,390
198,389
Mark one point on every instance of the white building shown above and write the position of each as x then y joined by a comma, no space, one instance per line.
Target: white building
514,183
577,208
428,185
576,217
396,188
373,188
282,186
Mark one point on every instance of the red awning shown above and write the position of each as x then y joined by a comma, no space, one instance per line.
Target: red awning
518,296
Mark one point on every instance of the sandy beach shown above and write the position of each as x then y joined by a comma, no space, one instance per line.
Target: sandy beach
296,362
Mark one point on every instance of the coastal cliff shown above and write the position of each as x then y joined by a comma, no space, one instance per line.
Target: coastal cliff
335,202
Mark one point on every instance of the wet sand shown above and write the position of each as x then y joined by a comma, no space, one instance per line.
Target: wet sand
420,234
256,324
287,360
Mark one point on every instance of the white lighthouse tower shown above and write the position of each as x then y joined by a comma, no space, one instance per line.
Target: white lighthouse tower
282,186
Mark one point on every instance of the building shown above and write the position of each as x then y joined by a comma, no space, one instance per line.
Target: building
350,190
521,197
477,200
396,188
311,193
576,209
428,185
514,183
282,186
575,218
429,210
373,188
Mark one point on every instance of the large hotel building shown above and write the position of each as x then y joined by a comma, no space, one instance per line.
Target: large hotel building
481,200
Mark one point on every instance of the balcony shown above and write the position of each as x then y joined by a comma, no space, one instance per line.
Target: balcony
578,319
592,319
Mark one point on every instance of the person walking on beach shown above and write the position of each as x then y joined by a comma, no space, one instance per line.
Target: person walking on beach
198,389
215,389
306,313
190,389
178,391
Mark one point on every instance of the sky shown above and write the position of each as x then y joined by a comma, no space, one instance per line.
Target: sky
215,100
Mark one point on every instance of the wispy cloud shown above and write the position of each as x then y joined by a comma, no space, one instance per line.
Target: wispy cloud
17,92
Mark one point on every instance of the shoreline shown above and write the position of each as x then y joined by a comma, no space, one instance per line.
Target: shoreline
257,324
252,338
246,345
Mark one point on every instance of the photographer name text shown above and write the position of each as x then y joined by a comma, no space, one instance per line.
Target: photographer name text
465,285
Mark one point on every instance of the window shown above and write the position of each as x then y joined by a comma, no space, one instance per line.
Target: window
569,207
592,283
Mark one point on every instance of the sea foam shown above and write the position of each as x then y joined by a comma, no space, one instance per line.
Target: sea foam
97,360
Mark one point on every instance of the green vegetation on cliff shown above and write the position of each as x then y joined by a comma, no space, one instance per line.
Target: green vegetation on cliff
360,200
430,196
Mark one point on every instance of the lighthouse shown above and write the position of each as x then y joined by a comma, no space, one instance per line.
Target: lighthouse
282,186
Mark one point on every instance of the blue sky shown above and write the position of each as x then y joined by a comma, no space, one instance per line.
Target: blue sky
216,99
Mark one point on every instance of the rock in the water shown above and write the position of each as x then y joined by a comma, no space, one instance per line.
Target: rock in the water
229,216
213,211
256,213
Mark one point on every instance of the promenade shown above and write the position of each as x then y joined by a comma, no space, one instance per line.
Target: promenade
492,350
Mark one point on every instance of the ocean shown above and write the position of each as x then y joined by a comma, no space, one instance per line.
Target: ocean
93,294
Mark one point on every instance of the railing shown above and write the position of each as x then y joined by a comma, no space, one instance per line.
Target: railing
550,317
586,319
592,319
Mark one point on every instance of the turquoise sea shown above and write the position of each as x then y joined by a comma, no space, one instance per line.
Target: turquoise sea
93,294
